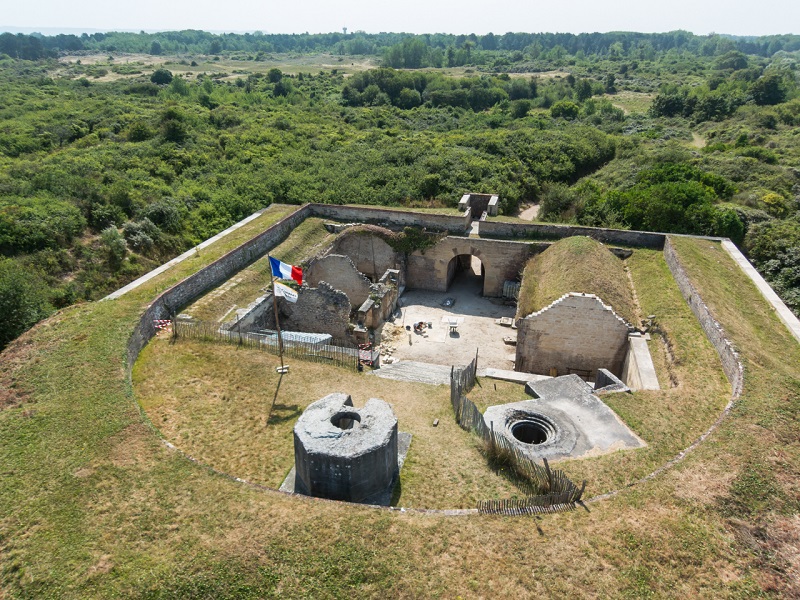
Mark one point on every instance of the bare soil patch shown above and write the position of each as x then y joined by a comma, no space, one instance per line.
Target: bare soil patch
529,212
476,327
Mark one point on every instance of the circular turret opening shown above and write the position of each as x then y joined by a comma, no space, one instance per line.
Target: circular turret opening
533,429
345,420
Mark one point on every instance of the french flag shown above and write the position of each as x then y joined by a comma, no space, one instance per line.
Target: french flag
284,271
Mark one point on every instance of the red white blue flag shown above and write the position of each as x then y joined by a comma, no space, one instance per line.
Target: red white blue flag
284,271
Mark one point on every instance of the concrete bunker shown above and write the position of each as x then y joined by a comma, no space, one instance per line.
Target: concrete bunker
563,420
575,313
347,453
480,205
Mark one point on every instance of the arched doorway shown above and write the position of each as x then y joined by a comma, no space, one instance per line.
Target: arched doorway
466,272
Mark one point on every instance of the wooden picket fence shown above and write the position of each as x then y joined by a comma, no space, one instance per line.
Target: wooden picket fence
547,490
314,352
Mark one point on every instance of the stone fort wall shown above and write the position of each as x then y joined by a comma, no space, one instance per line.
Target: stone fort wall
731,364
340,272
575,334
182,293
393,218
643,239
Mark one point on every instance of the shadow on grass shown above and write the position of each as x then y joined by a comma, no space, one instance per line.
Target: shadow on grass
281,413
397,492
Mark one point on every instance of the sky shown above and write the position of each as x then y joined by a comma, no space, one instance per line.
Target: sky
735,17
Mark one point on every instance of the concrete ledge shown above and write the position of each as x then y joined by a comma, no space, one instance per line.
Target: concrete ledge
512,376
786,316
158,270
639,372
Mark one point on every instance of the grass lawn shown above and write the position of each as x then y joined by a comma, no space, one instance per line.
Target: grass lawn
212,401
93,505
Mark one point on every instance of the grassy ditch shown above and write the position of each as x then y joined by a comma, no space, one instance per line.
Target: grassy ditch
248,284
92,505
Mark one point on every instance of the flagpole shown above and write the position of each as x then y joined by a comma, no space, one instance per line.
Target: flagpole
275,308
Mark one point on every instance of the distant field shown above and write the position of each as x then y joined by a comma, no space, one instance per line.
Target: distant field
631,102
288,63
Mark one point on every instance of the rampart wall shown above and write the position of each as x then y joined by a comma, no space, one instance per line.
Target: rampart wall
214,274
393,218
642,239
731,364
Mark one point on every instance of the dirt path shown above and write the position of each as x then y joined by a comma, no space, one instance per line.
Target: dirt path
529,213
698,141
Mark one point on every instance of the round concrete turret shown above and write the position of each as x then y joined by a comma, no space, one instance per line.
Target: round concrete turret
344,453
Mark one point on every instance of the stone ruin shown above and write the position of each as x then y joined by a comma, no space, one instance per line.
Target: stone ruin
344,453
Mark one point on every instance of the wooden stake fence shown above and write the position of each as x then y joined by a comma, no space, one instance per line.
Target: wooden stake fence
309,351
547,490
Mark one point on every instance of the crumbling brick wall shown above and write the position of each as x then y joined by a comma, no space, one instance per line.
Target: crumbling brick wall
321,309
370,254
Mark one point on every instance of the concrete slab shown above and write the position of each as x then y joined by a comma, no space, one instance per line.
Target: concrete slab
646,378
786,316
513,376
415,372
564,421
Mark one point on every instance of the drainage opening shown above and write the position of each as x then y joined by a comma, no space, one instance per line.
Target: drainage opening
534,429
345,420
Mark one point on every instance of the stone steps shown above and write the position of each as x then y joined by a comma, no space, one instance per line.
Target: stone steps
415,372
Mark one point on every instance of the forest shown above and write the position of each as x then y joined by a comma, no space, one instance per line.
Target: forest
118,151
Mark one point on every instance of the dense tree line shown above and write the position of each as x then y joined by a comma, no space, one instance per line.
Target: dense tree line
401,49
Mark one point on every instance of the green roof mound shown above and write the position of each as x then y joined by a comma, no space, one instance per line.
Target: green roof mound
576,264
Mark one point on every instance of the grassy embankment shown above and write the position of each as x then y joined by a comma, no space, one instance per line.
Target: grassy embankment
307,239
92,505
576,264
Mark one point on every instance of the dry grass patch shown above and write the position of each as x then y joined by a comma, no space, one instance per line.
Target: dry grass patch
212,402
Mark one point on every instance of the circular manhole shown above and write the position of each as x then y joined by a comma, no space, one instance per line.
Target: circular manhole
345,420
533,429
